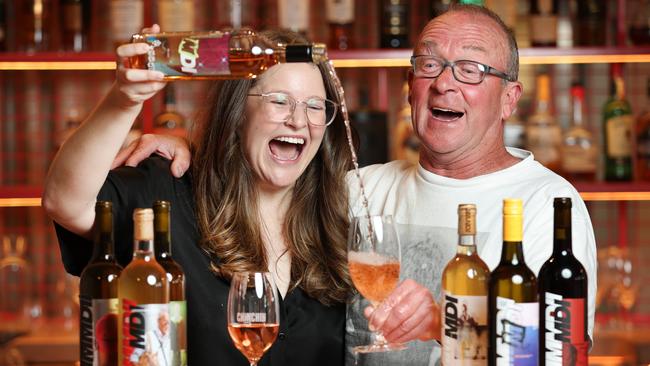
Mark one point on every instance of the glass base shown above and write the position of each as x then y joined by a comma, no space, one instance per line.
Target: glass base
379,347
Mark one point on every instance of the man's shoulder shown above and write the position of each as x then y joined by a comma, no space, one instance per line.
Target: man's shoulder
395,168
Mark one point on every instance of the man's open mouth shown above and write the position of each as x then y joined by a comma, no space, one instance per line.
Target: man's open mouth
286,148
447,115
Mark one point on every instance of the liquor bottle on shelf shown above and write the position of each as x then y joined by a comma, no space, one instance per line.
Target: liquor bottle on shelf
591,23
72,23
294,15
176,280
543,133
643,140
3,26
372,129
506,9
513,300
98,295
35,20
464,291
543,23
176,15
394,24
579,152
237,13
640,25
340,16
617,131
563,337
169,121
144,297
126,19
229,54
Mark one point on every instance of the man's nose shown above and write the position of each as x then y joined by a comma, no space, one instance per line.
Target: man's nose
446,80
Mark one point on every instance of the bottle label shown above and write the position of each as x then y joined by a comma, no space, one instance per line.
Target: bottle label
176,16
127,17
619,136
293,14
565,331
145,334
177,317
465,334
195,56
340,11
543,29
577,159
98,331
517,331
544,143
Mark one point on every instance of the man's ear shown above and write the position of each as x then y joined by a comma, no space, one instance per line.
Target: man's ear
511,95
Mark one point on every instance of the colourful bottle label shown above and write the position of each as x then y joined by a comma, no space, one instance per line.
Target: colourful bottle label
98,322
178,326
565,340
193,56
465,331
517,332
145,334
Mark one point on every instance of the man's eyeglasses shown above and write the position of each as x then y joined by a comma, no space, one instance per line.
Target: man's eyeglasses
281,106
465,71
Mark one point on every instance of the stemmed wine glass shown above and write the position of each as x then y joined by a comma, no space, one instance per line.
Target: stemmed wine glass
374,256
253,313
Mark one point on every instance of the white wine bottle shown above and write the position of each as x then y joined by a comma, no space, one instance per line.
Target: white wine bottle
464,304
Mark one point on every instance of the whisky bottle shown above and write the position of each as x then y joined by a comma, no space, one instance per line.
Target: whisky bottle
176,15
144,299
98,295
294,15
643,140
170,121
563,338
127,19
72,22
230,54
579,152
340,16
513,301
176,280
394,24
543,133
617,131
543,23
464,291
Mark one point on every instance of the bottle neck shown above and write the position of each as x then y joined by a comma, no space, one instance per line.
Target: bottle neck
163,244
143,249
577,112
562,231
512,252
104,249
466,245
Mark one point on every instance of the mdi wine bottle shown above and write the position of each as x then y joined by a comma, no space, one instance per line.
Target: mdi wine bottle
98,301
176,279
512,301
231,54
563,338
464,304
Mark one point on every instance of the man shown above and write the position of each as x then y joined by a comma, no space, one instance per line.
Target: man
463,86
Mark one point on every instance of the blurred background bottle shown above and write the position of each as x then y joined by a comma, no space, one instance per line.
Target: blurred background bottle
237,13
506,10
169,121
591,26
617,130
543,23
371,127
176,15
126,19
543,133
294,15
643,140
34,19
640,26
579,152
75,18
340,16
405,145
394,20
514,131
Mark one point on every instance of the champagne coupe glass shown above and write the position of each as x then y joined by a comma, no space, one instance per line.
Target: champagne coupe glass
374,256
253,313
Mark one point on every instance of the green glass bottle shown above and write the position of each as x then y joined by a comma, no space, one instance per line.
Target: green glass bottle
617,131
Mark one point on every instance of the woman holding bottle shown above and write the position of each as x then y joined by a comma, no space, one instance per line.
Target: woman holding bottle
266,193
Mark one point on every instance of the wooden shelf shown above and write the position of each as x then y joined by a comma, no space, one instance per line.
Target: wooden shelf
365,58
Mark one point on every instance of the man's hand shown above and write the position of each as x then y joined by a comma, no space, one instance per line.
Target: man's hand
171,147
408,313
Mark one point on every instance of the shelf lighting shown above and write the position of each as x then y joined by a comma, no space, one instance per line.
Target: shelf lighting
20,202
56,65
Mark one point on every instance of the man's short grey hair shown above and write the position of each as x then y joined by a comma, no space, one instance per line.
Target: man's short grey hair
513,61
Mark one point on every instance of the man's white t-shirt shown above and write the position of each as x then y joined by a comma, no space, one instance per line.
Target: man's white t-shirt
425,207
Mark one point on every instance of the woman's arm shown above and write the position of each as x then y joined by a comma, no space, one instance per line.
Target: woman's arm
80,167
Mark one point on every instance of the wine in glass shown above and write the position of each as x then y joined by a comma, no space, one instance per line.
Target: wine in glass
374,264
253,313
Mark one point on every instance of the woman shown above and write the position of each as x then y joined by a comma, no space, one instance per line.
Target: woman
266,192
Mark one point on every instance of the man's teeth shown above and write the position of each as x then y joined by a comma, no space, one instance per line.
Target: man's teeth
291,140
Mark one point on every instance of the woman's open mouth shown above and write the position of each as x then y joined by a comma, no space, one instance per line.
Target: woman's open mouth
286,148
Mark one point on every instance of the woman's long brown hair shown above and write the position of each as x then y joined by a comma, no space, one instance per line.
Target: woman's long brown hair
316,222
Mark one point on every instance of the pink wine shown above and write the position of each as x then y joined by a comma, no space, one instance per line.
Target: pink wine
253,340
374,275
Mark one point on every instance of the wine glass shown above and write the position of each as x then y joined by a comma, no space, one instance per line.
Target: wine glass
253,313
374,256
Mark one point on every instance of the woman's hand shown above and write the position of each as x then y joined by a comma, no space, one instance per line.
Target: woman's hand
133,86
